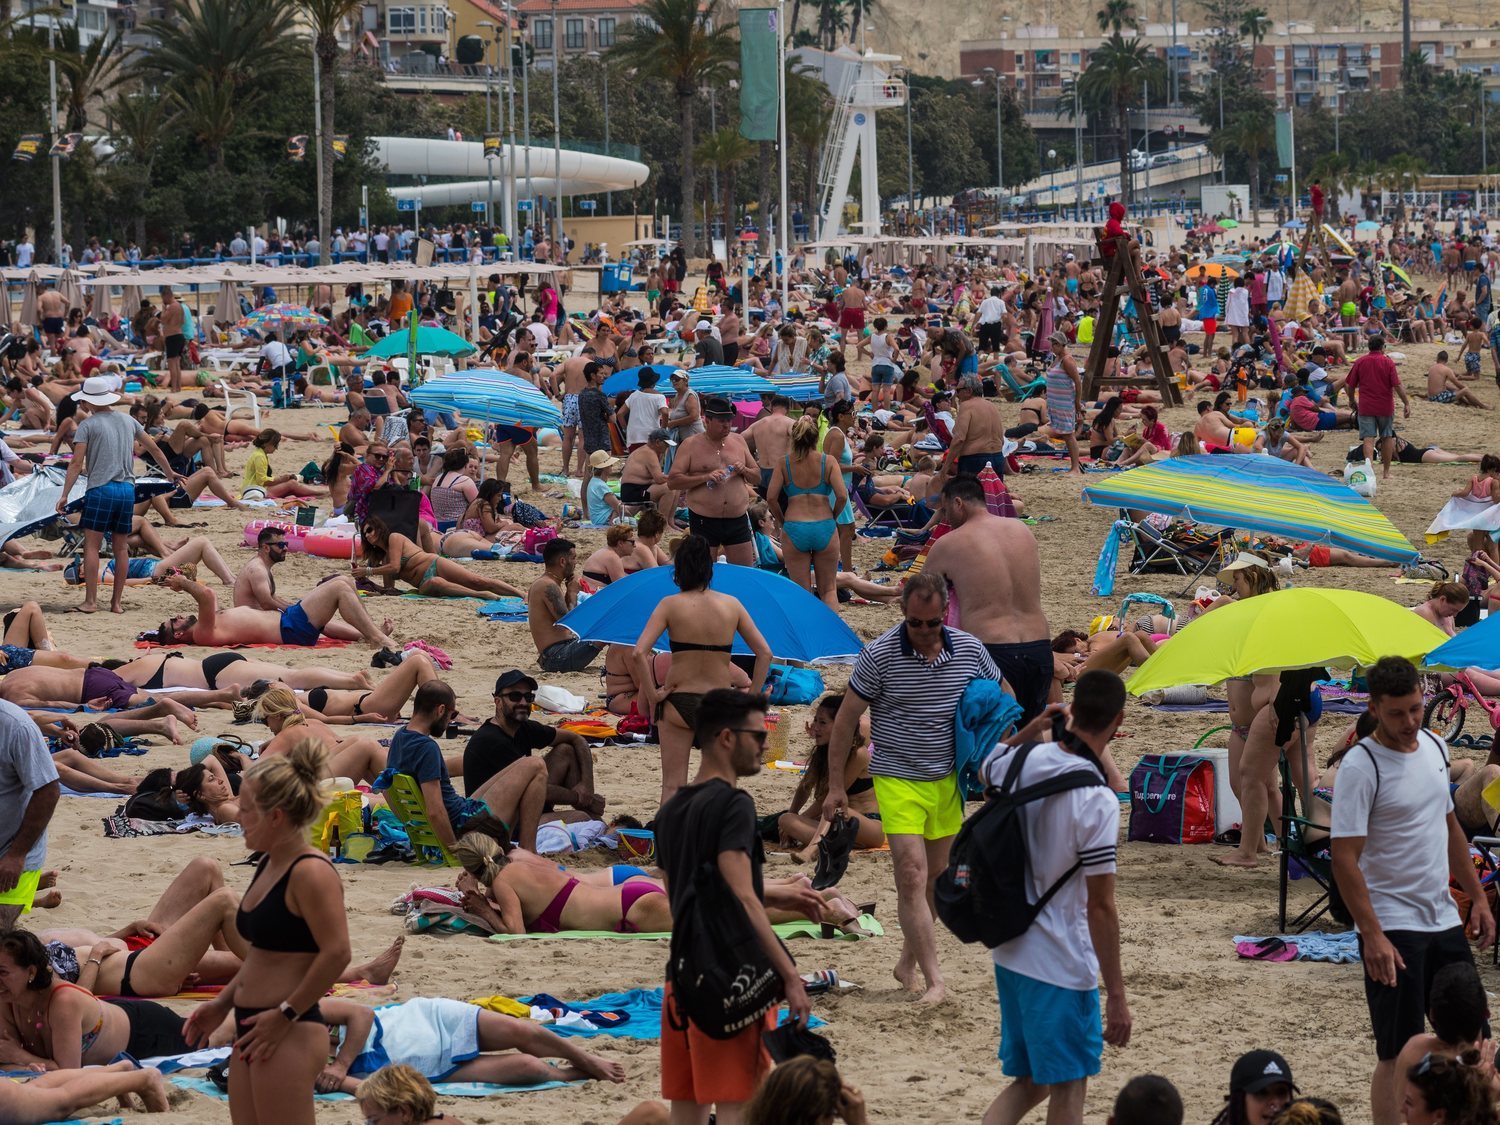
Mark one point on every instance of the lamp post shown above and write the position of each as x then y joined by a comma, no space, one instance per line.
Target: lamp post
489,89
526,121
560,240
609,199
988,73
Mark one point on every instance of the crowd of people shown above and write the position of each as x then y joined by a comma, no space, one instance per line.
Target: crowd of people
916,397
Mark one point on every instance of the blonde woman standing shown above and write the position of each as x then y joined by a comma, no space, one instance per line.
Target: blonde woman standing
292,916
806,493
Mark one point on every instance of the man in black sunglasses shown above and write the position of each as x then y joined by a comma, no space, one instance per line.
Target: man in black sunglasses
255,586
512,735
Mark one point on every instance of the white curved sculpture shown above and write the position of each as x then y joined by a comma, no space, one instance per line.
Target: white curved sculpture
583,173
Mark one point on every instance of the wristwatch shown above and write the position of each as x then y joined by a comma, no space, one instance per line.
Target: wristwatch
291,1013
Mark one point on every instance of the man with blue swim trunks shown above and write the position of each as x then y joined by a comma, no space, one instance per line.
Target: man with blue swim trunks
1048,977
301,623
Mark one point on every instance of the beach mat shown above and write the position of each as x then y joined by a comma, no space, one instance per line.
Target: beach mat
504,609
803,928
643,1005
323,642
444,1089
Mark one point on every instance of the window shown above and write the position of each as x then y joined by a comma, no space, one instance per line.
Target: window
573,35
400,21
440,19
541,35
606,31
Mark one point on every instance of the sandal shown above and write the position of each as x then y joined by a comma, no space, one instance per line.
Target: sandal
833,852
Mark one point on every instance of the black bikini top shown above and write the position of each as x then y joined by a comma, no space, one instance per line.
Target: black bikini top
271,925
694,646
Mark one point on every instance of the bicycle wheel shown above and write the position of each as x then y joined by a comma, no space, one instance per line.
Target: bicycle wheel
1445,716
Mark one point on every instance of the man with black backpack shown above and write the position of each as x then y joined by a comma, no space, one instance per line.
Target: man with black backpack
727,970
1047,976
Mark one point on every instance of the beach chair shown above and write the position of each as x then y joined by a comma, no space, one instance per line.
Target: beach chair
875,517
404,798
1311,856
249,401
1018,391
1153,551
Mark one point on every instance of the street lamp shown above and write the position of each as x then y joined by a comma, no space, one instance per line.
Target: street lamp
1338,105
1052,168
609,199
489,84
988,73
557,130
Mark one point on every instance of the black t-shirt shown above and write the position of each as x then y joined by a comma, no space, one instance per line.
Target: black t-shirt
490,750
685,837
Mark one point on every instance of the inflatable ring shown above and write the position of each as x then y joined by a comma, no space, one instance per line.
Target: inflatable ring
333,543
296,534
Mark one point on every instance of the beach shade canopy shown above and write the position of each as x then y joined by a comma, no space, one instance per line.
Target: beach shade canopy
280,318
489,396
1294,224
430,341
29,503
795,624
28,300
1298,628
1209,228
1478,646
630,379
798,386
1397,270
1367,225
713,380
1216,268
1229,224
1254,493
1232,260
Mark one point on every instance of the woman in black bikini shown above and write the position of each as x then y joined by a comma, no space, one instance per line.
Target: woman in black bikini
798,831
384,701
608,563
293,918
230,670
698,666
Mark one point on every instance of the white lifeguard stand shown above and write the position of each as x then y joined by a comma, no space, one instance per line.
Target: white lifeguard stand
861,84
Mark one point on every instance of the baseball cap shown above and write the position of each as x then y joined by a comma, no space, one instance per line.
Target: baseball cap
703,326
1255,1070
1058,338
661,435
512,678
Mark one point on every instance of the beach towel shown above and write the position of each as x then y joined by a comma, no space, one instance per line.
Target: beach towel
985,713
66,792
801,928
1316,945
504,609
642,1005
323,642
444,1089
1463,514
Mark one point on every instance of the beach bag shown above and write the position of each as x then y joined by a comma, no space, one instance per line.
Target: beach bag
785,684
343,816
154,799
722,978
982,896
535,538
1172,799
1360,477
398,508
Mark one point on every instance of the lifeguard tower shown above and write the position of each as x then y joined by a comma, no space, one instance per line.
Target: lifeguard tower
861,84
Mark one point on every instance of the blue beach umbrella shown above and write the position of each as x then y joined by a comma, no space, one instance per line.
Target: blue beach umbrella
795,624
429,341
1478,646
489,396
630,379
715,379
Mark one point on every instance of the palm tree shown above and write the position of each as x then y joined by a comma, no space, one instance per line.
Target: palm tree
858,9
1117,73
328,18
139,123
1401,173
1116,17
687,46
89,73
807,111
1251,134
722,153
1253,25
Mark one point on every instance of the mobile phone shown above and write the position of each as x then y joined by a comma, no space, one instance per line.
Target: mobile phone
1059,726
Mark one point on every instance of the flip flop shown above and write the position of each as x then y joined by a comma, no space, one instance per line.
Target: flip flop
833,852
1266,949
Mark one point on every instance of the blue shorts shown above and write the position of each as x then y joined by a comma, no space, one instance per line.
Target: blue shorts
109,508
882,374
296,629
471,809
969,365
16,657
1048,1034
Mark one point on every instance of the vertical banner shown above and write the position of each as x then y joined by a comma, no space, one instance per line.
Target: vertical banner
296,147
340,145
66,145
1286,147
492,143
760,72
27,147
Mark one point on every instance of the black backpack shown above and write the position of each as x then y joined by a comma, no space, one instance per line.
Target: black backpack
982,896
154,798
722,979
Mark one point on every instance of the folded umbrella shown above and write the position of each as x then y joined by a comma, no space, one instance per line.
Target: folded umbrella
795,624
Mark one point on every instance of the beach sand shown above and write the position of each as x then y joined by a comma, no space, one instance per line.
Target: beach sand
1195,1006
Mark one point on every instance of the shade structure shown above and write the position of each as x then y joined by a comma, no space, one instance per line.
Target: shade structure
1478,646
1232,260
1397,271
797,386
1217,268
630,379
489,396
1209,228
1367,225
795,624
430,341
1256,493
712,380
278,318
28,300
1229,224
1294,224
29,503
71,291
1299,628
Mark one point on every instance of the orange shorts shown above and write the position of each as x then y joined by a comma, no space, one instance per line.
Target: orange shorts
697,1068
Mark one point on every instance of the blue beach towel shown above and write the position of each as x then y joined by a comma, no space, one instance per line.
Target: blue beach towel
1338,949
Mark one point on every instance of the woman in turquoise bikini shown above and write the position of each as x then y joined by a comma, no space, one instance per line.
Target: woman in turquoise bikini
806,491
836,444
389,555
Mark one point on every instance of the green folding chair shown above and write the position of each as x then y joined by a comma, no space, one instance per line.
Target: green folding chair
404,798
1017,390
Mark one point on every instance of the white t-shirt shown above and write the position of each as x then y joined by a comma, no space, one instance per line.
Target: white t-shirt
645,415
991,310
25,251
276,354
7,457
1399,803
1237,308
25,767
541,334
1079,825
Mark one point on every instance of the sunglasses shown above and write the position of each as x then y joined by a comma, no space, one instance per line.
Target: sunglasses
923,623
280,544
519,696
760,736
379,456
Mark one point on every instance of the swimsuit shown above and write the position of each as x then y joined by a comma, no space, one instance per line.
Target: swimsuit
549,921
297,628
808,536
720,531
101,682
213,666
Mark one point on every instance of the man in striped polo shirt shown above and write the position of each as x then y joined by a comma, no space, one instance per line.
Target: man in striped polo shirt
911,679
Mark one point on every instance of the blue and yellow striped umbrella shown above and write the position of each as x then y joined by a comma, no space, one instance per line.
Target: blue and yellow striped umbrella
1256,493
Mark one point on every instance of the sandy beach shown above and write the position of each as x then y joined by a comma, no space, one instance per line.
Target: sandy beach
1196,1006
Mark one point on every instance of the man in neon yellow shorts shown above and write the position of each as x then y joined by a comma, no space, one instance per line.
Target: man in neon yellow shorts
28,795
911,680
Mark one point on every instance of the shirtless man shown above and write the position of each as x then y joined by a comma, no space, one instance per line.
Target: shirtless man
851,316
568,381
995,571
42,687
1214,428
978,433
187,439
548,601
770,439
1348,293
718,473
1170,320
1443,386
52,311
174,343
1475,342
301,623
255,586
642,481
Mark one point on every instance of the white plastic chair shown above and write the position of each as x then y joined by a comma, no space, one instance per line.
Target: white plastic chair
250,402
